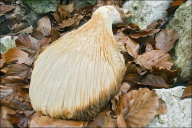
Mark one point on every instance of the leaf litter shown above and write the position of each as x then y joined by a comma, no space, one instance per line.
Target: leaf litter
134,106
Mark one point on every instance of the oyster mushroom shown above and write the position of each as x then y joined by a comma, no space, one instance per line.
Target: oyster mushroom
76,76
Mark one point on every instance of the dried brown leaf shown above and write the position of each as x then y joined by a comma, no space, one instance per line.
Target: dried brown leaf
57,16
28,43
121,121
69,8
98,121
44,26
15,97
165,40
37,35
154,80
144,33
12,79
31,58
133,77
155,24
168,75
67,23
20,118
132,47
121,37
156,58
46,121
18,27
28,30
139,107
124,88
15,55
188,91
109,122
54,35
4,112
6,8
125,99
18,70
44,42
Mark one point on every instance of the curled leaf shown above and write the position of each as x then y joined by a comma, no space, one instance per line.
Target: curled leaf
165,40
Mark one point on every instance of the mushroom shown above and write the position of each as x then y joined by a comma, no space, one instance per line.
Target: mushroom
77,75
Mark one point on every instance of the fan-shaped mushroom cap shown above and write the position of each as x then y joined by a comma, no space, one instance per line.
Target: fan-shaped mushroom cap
76,76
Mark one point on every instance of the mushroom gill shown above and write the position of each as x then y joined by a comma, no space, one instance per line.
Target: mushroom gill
76,76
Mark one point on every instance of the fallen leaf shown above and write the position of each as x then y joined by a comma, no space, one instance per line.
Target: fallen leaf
28,43
45,42
125,99
139,107
188,91
154,80
155,24
168,75
121,37
67,23
44,26
69,8
98,121
121,121
37,35
31,58
12,79
132,47
109,122
18,70
18,27
4,112
15,55
156,58
20,118
165,40
54,35
15,97
124,88
133,77
5,8
28,30
46,121
144,33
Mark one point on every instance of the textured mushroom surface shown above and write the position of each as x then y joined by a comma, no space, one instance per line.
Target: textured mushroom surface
76,76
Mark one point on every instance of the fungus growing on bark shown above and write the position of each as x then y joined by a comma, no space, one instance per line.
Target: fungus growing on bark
76,76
